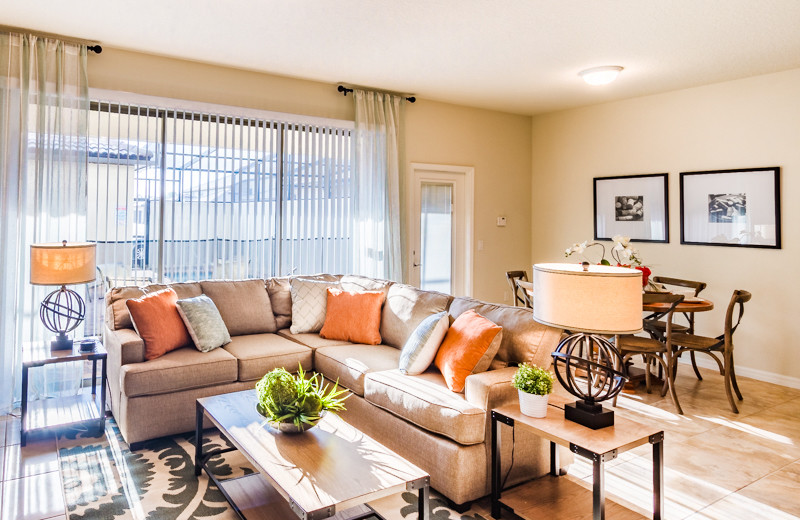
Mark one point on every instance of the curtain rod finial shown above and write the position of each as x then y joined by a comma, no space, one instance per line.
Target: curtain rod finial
95,48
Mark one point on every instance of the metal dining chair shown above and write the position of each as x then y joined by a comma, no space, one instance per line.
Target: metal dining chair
655,326
654,350
512,277
721,345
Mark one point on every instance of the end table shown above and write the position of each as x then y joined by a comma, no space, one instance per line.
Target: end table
599,446
49,413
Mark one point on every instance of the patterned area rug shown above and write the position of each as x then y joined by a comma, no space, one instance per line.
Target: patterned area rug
104,480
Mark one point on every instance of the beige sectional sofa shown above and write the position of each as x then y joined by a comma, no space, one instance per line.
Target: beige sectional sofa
446,433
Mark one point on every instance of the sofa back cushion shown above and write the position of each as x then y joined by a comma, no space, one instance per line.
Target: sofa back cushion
405,308
280,296
117,315
524,340
243,304
158,323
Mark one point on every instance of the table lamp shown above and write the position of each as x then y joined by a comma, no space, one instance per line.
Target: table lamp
589,302
62,264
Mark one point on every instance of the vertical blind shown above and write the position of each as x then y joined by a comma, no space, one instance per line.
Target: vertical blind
181,195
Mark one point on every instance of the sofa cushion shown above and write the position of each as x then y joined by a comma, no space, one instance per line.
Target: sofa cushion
524,340
353,316
257,354
178,370
311,339
117,315
468,348
204,323
280,296
244,305
426,401
420,349
350,363
157,321
405,307
309,303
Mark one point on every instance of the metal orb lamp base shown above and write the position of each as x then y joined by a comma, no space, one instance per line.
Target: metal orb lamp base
596,358
61,312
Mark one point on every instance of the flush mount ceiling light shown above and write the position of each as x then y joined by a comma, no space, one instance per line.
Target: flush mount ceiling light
600,75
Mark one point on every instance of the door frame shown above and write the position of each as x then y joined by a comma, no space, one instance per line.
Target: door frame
463,180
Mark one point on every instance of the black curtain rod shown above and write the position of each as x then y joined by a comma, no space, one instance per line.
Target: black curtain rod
344,90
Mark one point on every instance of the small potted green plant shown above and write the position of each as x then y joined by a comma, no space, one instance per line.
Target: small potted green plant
534,385
294,403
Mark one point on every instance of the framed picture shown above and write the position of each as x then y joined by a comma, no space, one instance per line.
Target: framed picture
636,206
731,208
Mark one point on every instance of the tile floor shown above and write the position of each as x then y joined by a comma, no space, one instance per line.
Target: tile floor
718,465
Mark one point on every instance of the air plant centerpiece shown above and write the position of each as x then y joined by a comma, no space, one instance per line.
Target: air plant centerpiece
294,403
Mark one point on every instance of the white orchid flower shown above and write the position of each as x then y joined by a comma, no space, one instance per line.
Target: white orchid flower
621,240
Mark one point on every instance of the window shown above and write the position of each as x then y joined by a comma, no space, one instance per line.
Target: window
180,195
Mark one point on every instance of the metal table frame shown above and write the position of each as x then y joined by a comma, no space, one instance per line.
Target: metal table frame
598,472
64,356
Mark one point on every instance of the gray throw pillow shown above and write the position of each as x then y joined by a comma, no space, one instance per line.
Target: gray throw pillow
204,322
421,347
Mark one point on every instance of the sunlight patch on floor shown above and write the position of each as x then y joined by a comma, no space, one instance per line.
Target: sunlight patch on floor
747,428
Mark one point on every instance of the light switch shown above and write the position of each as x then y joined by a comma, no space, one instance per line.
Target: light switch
501,221
480,245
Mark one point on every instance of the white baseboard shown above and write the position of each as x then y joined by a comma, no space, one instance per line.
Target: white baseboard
753,373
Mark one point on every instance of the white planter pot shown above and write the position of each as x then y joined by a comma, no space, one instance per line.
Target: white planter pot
532,405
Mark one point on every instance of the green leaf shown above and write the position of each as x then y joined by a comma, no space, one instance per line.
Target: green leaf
604,262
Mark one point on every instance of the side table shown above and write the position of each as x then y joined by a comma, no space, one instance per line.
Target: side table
49,413
600,446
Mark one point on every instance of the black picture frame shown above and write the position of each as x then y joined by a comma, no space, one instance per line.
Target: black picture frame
636,206
731,208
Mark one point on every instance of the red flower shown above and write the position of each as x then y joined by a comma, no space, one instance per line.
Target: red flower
646,272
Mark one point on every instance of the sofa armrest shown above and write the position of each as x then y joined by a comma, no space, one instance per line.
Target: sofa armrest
124,346
491,389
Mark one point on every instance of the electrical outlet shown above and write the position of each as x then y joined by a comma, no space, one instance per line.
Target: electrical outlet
501,221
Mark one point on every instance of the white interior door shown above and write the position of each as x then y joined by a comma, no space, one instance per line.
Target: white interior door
440,225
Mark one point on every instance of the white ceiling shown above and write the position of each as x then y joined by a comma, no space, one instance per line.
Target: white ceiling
519,56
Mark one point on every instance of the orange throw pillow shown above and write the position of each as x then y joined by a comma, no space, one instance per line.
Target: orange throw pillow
157,321
353,316
466,348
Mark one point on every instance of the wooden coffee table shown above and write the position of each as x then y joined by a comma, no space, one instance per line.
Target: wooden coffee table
332,469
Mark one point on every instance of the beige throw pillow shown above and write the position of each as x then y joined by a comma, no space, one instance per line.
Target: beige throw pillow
309,303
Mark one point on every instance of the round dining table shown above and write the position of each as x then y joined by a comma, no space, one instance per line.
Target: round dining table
693,305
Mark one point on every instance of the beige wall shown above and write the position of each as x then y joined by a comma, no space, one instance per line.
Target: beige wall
753,122
497,145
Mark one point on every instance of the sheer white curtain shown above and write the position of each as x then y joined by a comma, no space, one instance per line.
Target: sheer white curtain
44,103
376,233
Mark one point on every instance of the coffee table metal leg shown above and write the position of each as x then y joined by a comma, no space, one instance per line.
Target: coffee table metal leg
555,466
598,489
198,441
658,475
422,505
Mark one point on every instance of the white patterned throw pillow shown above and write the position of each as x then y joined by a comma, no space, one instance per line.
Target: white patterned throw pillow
421,347
309,302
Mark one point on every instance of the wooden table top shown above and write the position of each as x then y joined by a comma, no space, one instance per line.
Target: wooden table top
622,436
700,305
331,465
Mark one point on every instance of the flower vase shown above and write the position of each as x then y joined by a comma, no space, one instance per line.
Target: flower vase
532,405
